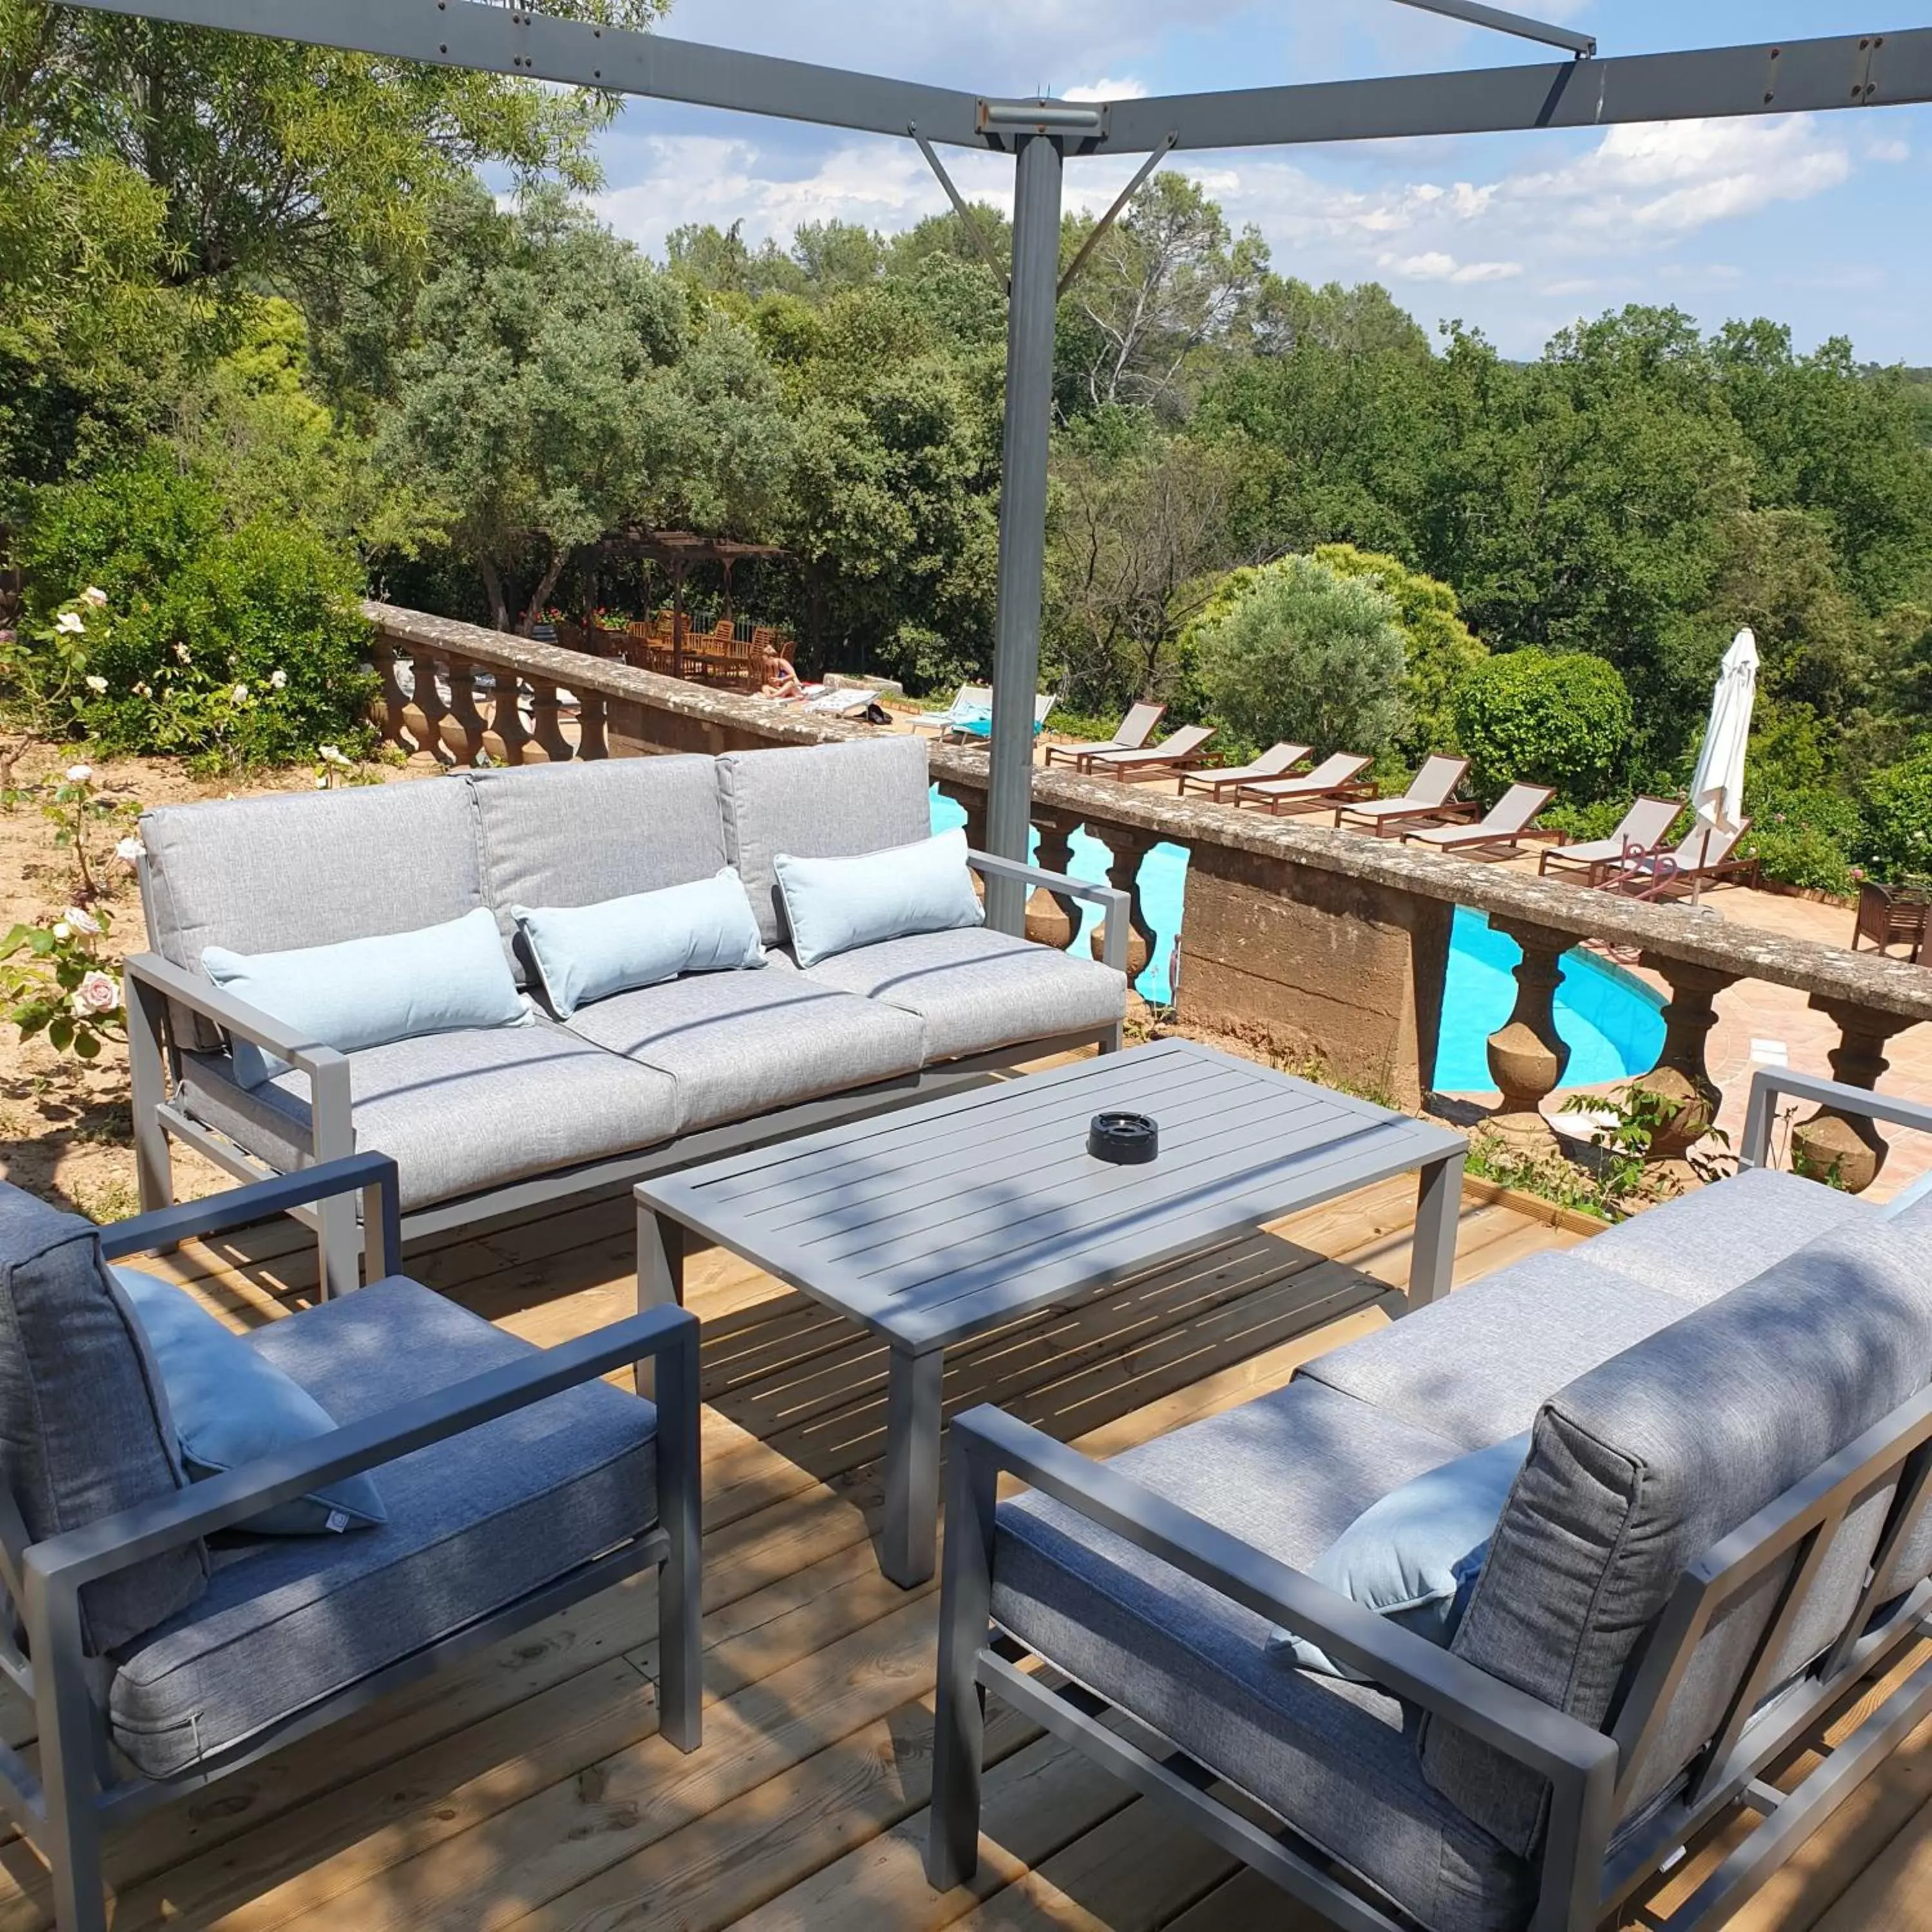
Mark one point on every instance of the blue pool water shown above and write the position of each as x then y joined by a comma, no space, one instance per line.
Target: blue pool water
1614,1023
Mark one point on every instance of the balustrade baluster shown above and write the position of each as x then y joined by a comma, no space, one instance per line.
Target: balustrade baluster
1681,1075
463,729
548,745
1054,854
430,711
386,712
1130,846
1527,1055
509,737
592,725
1847,1148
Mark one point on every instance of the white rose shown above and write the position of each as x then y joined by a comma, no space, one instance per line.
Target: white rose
99,993
96,683
95,595
60,931
241,694
330,755
69,621
131,850
181,652
79,774
81,922
142,691
278,680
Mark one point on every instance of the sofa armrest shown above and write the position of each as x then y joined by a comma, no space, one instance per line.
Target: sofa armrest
1768,1082
62,1565
374,1175
153,982
1113,903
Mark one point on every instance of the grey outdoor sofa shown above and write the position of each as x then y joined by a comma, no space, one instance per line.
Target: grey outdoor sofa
515,1481
487,1122
1719,1540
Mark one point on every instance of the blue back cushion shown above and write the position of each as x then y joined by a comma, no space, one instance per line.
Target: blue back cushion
834,905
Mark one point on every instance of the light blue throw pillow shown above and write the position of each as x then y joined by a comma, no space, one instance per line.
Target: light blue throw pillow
588,953
1415,1556
369,992
833,905
230,1407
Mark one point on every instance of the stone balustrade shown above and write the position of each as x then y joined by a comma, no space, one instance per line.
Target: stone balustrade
1310,943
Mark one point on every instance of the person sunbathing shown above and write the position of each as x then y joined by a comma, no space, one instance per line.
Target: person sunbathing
780,677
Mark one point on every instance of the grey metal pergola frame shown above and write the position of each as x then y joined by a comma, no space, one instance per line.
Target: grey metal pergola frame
1584,90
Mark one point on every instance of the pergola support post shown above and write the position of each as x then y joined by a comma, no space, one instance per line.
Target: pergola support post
1036,276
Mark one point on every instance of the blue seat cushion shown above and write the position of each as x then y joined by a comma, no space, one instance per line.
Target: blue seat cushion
1287,1474
476,1523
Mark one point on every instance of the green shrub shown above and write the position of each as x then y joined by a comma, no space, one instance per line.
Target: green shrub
1542,717
234,647
1439,649
1897,838
1306,655
1804,836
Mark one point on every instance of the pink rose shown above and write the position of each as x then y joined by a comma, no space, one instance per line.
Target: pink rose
97,995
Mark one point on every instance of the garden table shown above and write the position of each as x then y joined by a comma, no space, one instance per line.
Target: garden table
936,1222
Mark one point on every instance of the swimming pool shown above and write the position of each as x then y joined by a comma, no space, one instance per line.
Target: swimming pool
1613,1021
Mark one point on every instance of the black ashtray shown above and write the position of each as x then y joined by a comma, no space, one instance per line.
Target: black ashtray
1127,1140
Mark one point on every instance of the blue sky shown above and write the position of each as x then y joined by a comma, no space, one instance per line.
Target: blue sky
1818,221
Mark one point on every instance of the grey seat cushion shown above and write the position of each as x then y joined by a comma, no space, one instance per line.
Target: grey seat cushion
578,833
1636,1470
1477,1367
307,868
739,1043
84,1426
819,801
1286,1474
475,1523
976,989
1706,1243
456,1112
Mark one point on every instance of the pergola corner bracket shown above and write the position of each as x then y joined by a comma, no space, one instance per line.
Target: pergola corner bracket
975,233
1162,150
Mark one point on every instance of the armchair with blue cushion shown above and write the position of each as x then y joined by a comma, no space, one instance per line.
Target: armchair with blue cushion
513,1482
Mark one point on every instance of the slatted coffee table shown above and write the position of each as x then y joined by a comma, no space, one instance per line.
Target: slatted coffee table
937,1221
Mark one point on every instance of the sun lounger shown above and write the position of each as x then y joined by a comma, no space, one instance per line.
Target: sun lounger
1135,729
1501,829
1332,780
971,702
1169,759
1430,799
981,726
1277,761
1641,830
1706,857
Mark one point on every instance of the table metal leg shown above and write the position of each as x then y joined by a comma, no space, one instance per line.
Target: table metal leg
660,1276
1438,1201
912,1466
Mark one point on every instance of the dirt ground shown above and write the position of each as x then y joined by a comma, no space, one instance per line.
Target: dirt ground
65,1127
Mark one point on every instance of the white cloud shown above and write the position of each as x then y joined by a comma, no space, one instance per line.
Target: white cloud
1109,90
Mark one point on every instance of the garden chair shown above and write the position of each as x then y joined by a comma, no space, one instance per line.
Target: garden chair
515,1483
1642,829
1275,762
1706,856
1891,916
970,701
1712,1543
1501,831
1171,758
1430,799
1334,779
1131,735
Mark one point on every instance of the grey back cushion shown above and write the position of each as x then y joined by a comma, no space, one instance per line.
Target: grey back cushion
84,1426
1638,1468
819,801
577,834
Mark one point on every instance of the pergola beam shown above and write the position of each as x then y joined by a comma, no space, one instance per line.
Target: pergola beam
513,41
1788,76
1478,15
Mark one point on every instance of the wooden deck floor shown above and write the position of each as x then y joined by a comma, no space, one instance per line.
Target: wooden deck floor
530,1790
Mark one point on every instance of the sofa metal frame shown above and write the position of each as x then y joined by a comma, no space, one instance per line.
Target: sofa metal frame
1588,1866
82,1790
155,984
